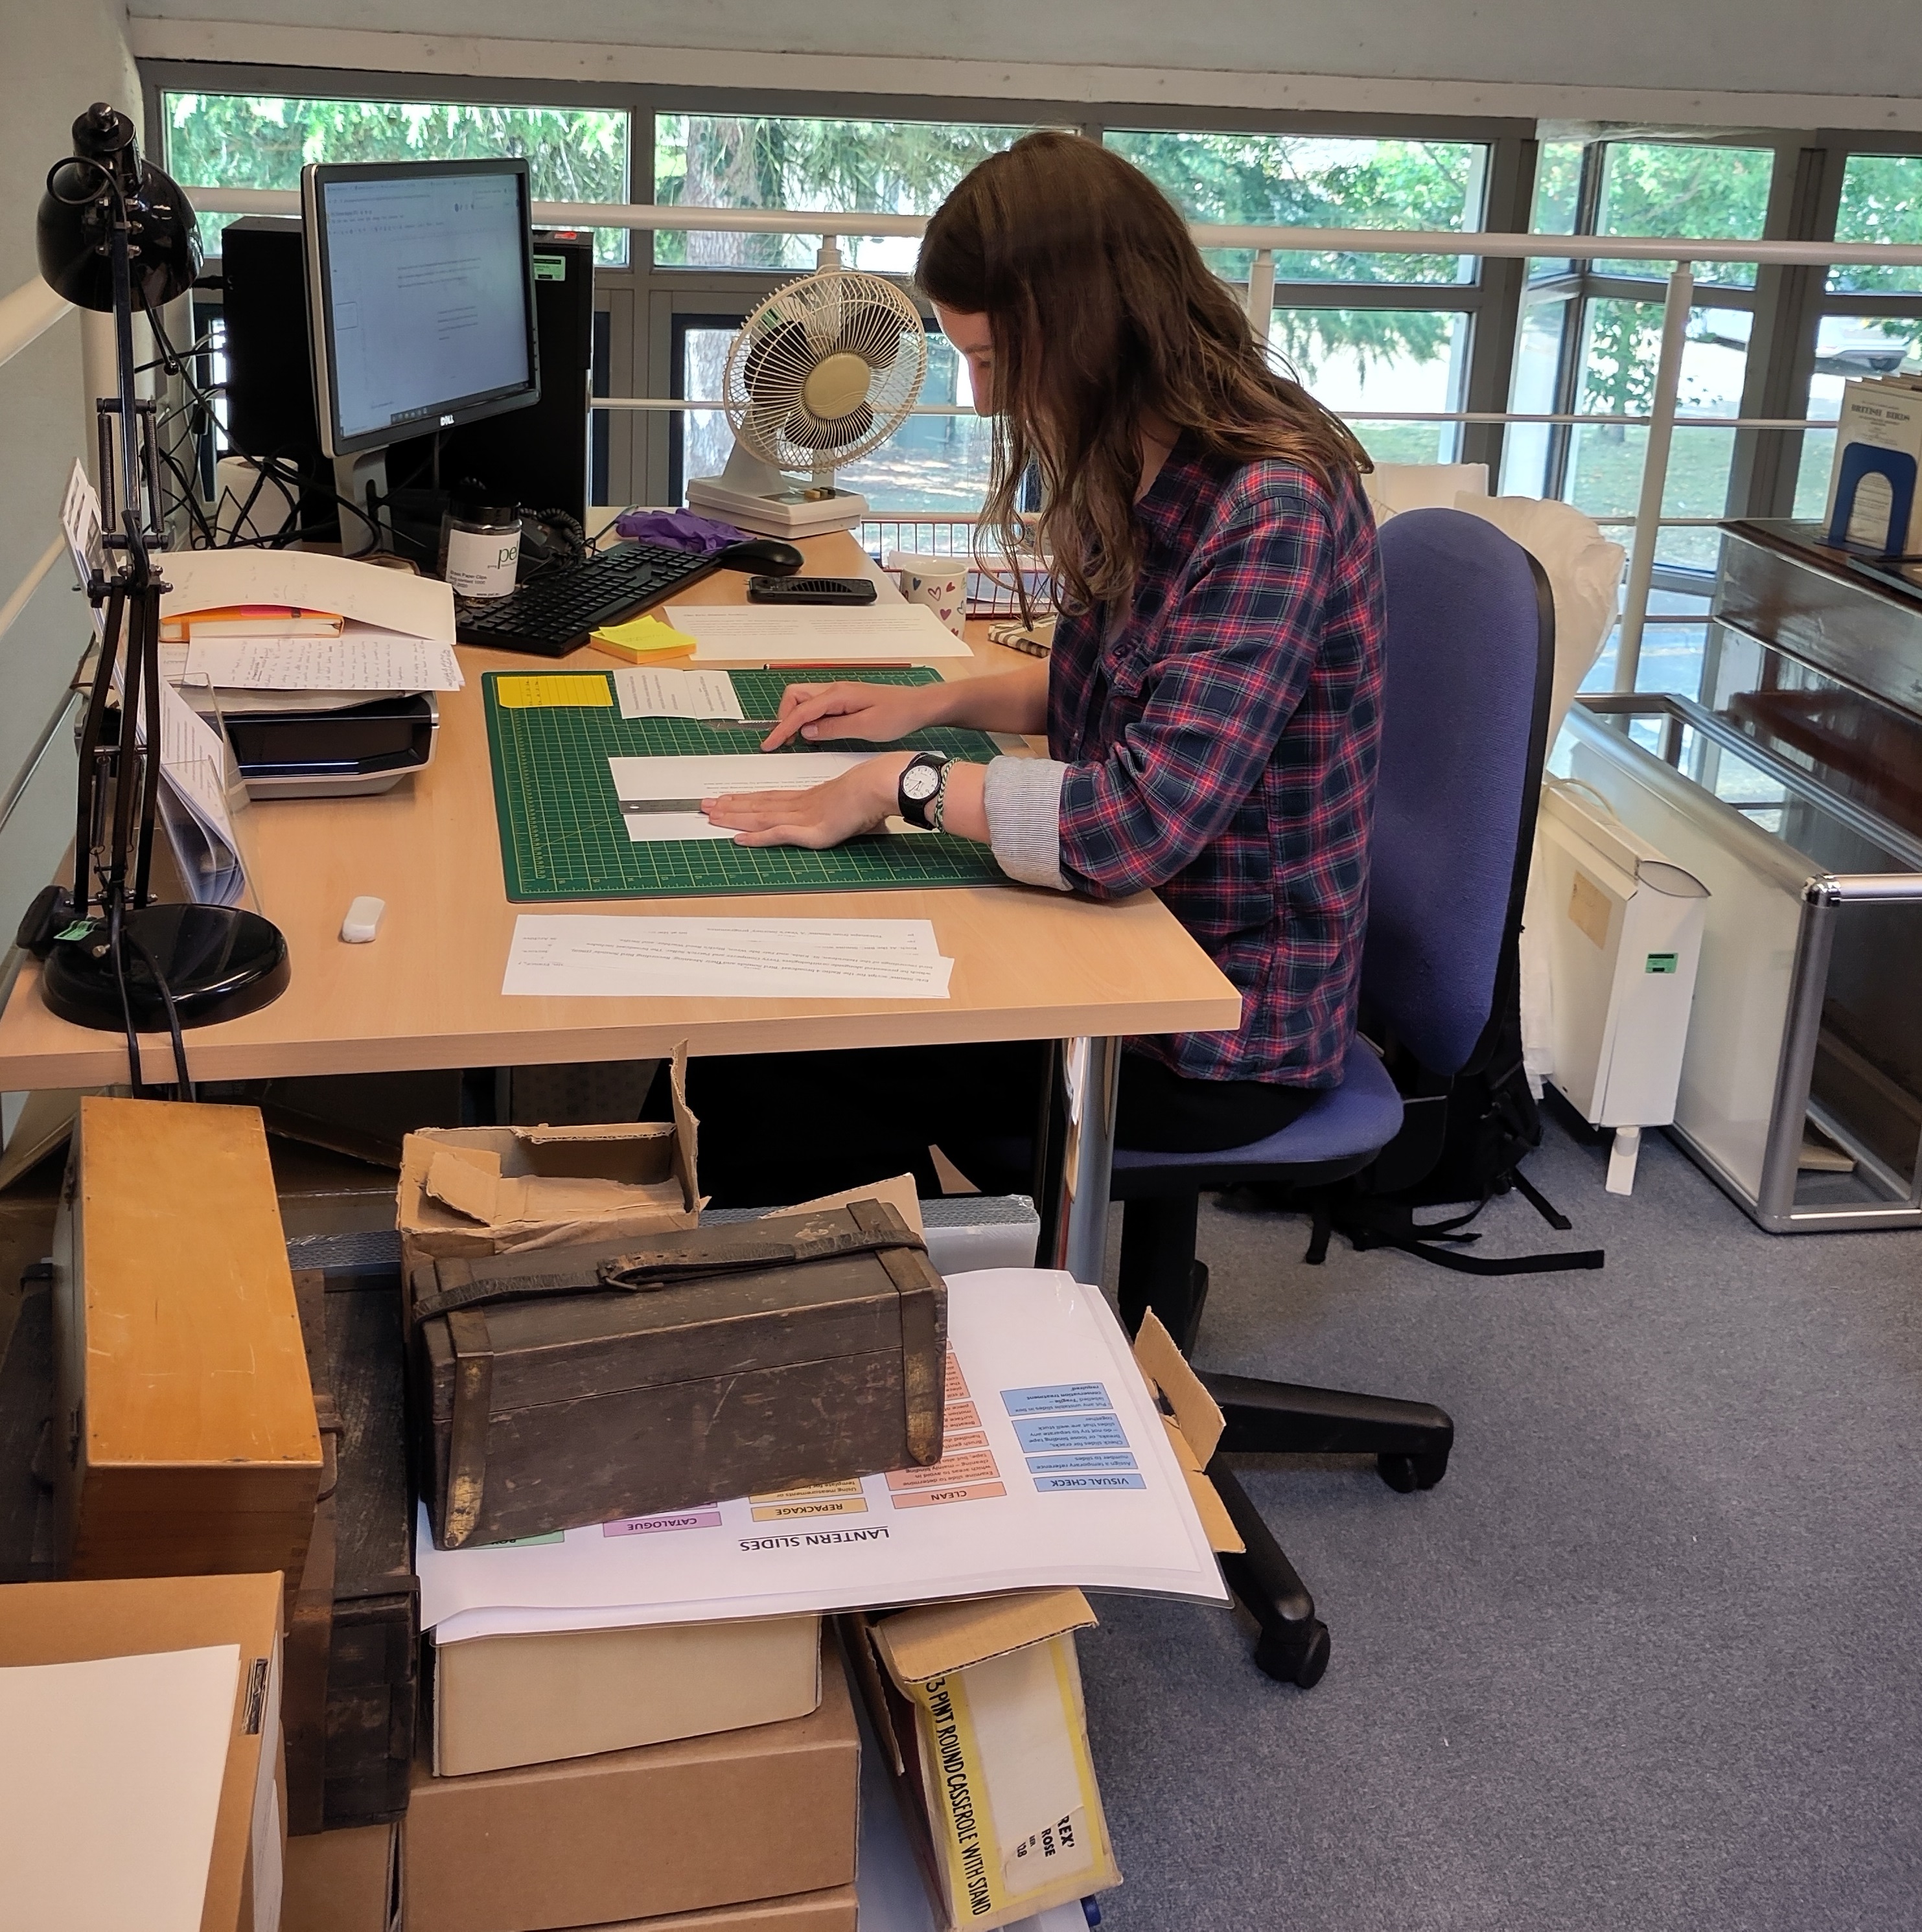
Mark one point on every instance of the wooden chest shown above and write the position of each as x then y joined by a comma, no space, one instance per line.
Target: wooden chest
574,1386
185,1442
353,1647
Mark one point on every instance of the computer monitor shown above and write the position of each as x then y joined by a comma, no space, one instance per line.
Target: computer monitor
420,286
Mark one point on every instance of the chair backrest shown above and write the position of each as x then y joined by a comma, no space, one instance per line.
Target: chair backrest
1470,654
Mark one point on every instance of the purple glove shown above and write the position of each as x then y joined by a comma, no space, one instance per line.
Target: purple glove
678,529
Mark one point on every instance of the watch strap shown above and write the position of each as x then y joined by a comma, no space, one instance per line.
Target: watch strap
920,811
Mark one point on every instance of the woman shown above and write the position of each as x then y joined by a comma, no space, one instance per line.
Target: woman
1211,703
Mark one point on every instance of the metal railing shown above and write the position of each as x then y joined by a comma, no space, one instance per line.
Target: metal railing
32,309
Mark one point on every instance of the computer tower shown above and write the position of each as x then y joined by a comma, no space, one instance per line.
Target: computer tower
535,457
269,375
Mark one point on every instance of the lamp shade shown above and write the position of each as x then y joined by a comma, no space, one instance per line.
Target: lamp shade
77,212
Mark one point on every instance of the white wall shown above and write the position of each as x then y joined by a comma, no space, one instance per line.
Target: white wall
1779,62
61,56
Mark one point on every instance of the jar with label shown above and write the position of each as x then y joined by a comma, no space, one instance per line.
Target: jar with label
480,548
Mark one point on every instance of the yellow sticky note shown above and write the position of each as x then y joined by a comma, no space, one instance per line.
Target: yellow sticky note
643,639
531,694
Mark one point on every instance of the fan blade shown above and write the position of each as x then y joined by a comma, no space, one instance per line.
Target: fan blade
809,433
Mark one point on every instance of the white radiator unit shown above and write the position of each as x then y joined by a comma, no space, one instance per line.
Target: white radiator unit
1623,935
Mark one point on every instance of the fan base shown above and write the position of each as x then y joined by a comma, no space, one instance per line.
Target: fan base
776,516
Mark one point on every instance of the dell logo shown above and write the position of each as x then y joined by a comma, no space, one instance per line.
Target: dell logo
446,422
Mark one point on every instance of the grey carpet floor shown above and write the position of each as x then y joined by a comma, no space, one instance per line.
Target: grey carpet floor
1647,1658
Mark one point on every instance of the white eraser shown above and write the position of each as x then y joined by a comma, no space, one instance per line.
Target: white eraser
363,921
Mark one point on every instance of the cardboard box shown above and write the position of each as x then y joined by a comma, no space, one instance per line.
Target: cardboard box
978,1704
833,1910
344,1881
72,1623
500,1702
677,1828
186,1442
980,1707
471,1191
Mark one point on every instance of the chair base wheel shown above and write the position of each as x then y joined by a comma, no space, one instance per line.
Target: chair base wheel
1407,1474
1297,1655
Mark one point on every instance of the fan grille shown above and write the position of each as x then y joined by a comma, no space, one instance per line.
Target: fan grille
837,313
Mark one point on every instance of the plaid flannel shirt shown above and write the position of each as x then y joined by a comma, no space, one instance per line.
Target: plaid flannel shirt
1221,740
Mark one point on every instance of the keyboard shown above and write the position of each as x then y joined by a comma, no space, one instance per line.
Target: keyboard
552,613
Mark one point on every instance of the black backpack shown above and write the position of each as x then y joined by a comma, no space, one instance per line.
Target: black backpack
1463,1140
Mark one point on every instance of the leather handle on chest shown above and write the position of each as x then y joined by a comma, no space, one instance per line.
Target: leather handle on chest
467,1428
877,1229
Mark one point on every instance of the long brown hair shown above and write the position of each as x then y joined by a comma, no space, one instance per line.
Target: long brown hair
1102,312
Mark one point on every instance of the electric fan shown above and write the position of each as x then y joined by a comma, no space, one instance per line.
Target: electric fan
824,370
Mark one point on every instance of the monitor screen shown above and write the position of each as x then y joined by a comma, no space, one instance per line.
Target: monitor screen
421,290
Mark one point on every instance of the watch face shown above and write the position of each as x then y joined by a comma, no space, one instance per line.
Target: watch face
920,780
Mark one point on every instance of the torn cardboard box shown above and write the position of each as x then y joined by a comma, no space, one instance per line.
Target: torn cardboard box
467,1192
1194,1422
979,1704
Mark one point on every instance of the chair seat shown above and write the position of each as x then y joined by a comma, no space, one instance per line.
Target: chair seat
1348,1123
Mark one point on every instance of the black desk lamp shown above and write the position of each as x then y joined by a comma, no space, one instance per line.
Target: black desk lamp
113,230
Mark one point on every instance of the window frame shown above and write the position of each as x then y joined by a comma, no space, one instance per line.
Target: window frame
643,300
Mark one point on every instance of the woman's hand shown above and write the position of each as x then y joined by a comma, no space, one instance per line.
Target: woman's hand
878,713
824,815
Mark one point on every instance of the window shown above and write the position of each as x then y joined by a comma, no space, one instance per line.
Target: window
891,167
1881,201
235,140
1590,333
1871,323
1396,354
1313,182
1366,363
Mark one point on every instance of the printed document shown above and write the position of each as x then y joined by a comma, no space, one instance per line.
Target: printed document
759,634
660,690
192,801
362,659
1055,1470
587,955
660,798
110,1788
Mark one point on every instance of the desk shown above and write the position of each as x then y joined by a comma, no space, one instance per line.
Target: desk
1028,964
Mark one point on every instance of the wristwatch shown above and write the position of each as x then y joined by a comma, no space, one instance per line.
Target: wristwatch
921,788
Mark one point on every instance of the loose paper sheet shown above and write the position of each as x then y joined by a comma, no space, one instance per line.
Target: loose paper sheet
110,1788
1055,1470
80,518
361,659
193,804
827,633
662,692
644,785
574,955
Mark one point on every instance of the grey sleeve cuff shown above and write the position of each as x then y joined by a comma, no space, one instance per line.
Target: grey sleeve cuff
1023,799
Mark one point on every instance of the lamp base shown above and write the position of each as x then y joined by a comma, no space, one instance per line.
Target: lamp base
218,961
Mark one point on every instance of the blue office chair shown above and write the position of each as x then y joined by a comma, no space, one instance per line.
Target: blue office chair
1469,664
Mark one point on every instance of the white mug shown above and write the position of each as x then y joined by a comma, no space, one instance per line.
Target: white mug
940,583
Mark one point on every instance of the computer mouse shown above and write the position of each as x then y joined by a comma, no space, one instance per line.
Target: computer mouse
765,557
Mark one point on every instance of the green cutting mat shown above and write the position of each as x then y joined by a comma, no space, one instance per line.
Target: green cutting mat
562,835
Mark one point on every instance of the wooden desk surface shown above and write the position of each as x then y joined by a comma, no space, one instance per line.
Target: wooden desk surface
1028,964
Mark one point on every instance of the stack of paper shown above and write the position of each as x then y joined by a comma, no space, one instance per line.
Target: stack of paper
646,639
110,1788
395,634
756,634
1056,1471
575,956
660,798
